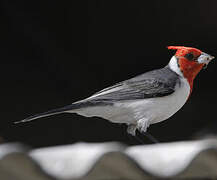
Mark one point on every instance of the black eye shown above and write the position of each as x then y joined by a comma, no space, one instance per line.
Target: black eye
189,56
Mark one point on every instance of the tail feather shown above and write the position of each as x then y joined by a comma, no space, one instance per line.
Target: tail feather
70,108
49,113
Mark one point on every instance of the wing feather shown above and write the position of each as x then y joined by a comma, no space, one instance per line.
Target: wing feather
148,85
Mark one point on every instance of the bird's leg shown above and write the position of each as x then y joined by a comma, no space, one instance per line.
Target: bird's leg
131,129
139,139
142,126
150,137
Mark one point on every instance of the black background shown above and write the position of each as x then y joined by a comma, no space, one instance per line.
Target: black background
53,53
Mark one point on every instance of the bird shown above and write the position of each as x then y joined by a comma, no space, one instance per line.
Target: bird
146,99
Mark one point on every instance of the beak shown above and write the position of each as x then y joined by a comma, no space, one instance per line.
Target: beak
204,58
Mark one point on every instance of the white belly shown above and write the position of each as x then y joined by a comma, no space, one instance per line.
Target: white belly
152,109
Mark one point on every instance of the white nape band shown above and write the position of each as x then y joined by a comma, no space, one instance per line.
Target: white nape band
173,64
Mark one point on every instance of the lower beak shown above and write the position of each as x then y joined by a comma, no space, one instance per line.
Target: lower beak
204,58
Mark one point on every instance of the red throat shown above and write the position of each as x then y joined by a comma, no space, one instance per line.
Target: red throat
190,69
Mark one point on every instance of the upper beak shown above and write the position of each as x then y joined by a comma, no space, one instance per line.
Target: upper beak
204,58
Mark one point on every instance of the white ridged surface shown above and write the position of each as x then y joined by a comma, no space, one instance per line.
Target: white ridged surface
90,161
163,160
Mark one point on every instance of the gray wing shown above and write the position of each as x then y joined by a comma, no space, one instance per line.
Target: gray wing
157,83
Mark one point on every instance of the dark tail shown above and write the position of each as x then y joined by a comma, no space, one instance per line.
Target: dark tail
50,113
75,106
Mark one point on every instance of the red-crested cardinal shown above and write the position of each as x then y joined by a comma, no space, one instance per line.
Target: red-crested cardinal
145,99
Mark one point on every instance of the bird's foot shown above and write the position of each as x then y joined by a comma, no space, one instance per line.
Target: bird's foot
142,125
131,129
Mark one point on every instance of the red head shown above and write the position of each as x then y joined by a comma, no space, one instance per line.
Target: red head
190,61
